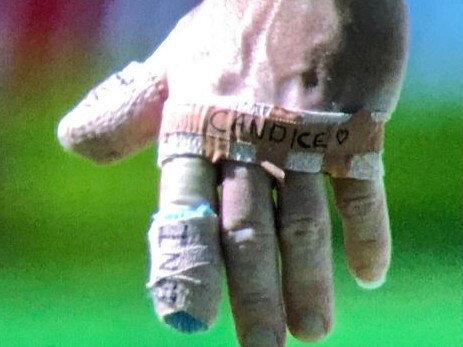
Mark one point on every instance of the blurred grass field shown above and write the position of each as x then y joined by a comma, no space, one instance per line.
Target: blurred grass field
73,256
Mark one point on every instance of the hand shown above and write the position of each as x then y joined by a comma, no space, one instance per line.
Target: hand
336,57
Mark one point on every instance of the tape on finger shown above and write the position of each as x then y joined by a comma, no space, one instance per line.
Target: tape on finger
338,144
185,267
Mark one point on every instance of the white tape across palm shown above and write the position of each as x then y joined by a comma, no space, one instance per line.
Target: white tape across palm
333,57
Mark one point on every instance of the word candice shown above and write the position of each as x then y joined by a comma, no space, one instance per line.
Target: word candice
290,134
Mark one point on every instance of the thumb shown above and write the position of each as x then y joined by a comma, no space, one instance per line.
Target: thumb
120,115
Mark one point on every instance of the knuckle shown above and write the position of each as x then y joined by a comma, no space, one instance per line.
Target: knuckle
358,205
256,300
261,305
307,232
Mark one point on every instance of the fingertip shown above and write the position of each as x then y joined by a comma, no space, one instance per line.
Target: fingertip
311,328
259,337
184,322
371,284
62,134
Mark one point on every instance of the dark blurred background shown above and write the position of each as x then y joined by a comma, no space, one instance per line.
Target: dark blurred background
73,255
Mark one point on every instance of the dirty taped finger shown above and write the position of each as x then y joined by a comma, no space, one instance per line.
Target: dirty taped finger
184,246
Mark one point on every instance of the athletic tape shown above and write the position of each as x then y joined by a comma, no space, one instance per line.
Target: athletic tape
338,144
185,264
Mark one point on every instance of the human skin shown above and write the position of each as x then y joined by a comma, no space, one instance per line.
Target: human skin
335,56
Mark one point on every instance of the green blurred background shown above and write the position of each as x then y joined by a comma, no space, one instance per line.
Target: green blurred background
73,253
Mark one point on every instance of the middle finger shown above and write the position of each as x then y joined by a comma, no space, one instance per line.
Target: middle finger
250,254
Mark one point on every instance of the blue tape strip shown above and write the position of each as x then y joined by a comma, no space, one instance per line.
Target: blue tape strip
185,212
184,322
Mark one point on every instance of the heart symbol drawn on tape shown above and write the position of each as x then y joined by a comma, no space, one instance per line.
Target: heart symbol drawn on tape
342,136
